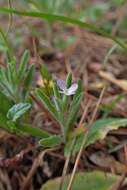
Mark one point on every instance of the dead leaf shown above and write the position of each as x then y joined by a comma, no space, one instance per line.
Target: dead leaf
120,83
108,162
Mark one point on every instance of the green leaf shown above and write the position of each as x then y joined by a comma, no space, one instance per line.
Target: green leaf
5,78
45,73
101,127
7,90
10,53
3,122
34,131
51,141
7,125
69,80
28,80
69,145
99,130
95,180
47,80
12,127
22,128
17,111
6,104
47,103
11,73
73,112
57,98
78,91
22,66
65,98
56,91
53,17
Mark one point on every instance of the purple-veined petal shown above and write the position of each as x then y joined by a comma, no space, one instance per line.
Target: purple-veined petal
61,84
72,89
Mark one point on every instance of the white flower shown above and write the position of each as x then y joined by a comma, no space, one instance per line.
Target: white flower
67,91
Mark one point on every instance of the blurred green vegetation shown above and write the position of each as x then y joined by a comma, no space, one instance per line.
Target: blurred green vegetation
103,14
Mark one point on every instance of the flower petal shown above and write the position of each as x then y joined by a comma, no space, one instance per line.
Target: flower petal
61,84
72,89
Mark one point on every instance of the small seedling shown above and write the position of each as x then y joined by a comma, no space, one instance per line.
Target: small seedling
63,105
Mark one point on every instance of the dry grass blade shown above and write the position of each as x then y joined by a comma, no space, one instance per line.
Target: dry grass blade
84,140
119,82
36,163
119,183
69,156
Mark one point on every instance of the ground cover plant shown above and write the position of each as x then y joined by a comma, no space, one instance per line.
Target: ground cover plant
63,117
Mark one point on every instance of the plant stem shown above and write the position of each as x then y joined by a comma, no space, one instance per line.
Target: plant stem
10,52
73,143
84,140
10,17
111,50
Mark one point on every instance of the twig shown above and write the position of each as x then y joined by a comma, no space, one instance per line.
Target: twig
119,182
84,140
84,113
118,147
36,163
11,162
109,53
66,165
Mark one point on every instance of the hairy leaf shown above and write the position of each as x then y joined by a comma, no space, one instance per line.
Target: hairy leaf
22,66
73,112
17,111
28,80
46,102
